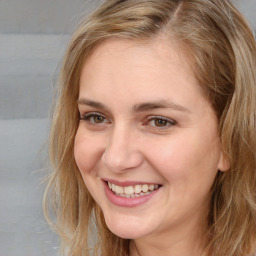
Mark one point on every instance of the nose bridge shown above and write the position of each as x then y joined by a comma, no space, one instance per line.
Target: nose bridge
122,152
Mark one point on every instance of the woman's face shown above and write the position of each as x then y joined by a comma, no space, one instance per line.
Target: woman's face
147,130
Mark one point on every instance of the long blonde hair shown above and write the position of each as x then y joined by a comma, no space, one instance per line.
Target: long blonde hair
223,52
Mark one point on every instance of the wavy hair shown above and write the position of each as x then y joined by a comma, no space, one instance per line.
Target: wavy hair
223,52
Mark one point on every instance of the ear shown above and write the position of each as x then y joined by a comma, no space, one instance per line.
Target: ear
224,163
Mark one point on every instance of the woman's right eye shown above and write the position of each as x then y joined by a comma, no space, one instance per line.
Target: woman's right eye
94,118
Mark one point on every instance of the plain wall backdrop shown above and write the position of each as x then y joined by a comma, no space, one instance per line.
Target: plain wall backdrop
33,37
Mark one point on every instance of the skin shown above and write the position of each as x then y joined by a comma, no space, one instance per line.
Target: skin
181,154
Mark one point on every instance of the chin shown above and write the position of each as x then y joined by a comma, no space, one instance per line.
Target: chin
127,233
127,229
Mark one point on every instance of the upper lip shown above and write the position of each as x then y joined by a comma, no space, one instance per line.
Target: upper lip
128,183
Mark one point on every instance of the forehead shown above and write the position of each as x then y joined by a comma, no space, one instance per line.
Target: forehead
159,48
157,68
116,55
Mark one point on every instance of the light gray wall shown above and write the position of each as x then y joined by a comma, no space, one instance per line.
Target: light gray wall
248,8
42,17
33,36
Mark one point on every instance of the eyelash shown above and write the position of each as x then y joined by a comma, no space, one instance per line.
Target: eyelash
90,115
168,122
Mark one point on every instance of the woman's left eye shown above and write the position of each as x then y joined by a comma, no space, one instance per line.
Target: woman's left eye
161,122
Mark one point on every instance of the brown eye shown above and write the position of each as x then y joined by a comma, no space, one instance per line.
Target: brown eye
98,119
94,118
160,122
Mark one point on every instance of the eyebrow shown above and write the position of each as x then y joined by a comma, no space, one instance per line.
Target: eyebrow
91,103
141,107
159,104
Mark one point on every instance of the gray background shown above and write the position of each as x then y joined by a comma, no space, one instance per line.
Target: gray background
33,36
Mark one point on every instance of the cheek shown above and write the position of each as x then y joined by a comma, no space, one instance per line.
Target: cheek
188,165
186,158
87,151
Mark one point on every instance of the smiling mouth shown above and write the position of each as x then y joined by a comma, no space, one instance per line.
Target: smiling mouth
133,191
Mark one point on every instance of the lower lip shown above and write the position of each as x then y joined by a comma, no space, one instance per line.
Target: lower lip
127,202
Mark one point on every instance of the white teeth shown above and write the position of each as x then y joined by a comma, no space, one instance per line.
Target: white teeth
119,189
137,189
145,188
133,191
151,187
129,190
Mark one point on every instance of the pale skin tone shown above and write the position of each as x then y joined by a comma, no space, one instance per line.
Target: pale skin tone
144,119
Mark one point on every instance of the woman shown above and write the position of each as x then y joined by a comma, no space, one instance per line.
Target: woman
153,139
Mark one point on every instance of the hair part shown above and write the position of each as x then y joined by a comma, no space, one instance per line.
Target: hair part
222,51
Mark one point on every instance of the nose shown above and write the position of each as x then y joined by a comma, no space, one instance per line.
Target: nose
122,151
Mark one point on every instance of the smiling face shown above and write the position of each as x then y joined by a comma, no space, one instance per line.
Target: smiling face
147,131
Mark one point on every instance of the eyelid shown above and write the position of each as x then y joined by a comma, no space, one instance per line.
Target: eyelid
169,120
91,113
87,115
